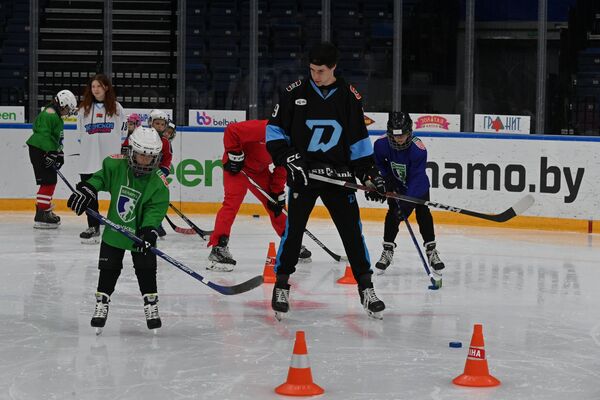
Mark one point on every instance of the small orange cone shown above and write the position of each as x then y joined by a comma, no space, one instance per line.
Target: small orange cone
299,380
348,278
476,368
269,271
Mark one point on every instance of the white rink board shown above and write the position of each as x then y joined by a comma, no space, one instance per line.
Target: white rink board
521,166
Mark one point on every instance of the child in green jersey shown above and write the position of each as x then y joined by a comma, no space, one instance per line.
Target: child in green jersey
46,155
139,201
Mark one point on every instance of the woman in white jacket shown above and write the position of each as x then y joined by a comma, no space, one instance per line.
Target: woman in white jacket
101,123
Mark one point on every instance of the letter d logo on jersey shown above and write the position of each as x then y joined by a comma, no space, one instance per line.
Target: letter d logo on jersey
126,203
319,128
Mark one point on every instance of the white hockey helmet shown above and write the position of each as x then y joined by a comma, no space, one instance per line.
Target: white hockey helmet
157,114
66,101
144,141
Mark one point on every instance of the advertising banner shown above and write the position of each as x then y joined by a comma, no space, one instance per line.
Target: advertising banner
502,123
496,173
12,114
436,122
421,122
215,118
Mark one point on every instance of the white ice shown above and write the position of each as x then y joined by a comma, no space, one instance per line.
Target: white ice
536,294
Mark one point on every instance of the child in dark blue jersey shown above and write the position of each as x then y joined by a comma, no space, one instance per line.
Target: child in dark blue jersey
401,159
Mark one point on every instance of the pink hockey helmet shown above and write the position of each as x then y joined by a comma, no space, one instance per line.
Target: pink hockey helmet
135,118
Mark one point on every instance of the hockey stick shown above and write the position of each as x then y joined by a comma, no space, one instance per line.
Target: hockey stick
336,257
227,290
504,216
199,231
185,231
435,283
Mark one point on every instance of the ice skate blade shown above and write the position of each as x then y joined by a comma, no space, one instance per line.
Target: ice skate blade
219,267
379,271
45,225
279,315
98,331
91,241
305,260
375,315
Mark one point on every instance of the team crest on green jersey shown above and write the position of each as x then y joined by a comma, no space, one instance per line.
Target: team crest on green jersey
126,203
399,171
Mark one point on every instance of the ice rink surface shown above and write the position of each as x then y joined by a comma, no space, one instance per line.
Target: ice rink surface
536,294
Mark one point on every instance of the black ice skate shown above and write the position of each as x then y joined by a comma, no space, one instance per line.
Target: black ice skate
45,219
371,303
304,256
220,257
151,311
387,256
280,300
91,235
101,312
434,259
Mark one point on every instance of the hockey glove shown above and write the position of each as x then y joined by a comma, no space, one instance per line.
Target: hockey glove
277,207
296,170
165,171
54,159
82,197
148,236
235,162
372,178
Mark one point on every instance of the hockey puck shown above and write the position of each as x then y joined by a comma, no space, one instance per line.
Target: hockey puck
255,216
456,345
431,287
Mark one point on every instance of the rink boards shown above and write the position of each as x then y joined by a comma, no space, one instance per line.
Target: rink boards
483,172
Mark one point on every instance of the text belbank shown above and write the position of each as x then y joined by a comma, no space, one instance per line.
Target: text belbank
215,118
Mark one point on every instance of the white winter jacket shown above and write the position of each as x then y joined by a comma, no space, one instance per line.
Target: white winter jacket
100,136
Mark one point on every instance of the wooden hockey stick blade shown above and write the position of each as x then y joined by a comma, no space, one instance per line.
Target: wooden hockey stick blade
239,288
519,208
185,231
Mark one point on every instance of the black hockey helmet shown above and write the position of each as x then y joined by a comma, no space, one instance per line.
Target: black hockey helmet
399,124
324,53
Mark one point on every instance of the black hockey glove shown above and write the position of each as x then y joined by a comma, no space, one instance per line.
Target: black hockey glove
372,178
82,197
54,159
277,207
148,236
235,163
296,170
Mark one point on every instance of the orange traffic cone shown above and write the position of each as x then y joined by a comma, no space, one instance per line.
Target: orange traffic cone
299,380
476,368
269,271
348,278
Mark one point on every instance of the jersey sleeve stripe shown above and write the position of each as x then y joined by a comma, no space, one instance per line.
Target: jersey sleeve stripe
362,148
274,132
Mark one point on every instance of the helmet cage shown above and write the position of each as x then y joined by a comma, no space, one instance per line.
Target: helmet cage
144,141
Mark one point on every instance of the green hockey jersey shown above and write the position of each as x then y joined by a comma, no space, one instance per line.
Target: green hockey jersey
135,202
48,130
